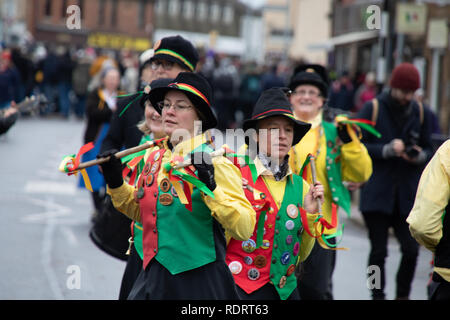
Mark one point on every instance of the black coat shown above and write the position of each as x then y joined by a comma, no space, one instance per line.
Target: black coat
97,113
123,131
394,181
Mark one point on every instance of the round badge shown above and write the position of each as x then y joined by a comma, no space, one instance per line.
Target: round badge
290,225
271,210
282,282
289,239
140,193
249,245
165,199
165,185
235,267
149,180
156,156
262,195
253,274
146,169
174,192
285,257
296,248
265,244
292,211
248,260
155,167
290,270
260,261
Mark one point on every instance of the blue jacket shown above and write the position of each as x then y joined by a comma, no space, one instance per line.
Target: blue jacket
394,180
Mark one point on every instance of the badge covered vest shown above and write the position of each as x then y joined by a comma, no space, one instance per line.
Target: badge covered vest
442,254
339,193
178,239
270,255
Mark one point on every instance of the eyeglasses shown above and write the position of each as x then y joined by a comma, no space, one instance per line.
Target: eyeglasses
164,105
166,65
303,93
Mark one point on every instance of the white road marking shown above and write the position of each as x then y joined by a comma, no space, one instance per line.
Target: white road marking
50,187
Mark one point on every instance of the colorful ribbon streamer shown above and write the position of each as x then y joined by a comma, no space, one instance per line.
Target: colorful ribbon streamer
362,123
70,163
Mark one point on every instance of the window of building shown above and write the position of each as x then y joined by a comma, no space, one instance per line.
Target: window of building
160,7
141,14
63,9
188,9
114,13
215,12
101,12
174,7
48,8
228,14
202,10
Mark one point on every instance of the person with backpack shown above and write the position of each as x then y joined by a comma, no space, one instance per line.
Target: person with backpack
399,157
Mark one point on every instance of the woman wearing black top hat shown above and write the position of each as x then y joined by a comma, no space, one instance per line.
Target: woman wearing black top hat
339,156
263,266
183,227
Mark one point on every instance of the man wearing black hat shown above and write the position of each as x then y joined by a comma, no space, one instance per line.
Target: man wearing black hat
339,156
263,266
171,56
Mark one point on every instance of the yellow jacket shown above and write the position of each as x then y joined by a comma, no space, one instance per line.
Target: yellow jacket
433,195
356,164
230,207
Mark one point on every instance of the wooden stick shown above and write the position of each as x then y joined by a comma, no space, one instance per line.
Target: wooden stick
118,155
187,162
314,179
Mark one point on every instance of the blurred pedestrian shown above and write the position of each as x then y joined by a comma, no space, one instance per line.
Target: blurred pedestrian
8,117
184,250
264,269
342,92
271,78
249,89
101,104
338,158
366,91
80,81
399,157
9,80
429,219
64,67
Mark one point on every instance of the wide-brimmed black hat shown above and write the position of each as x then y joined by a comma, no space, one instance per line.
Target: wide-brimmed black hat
158,83
196,88
274,102
312,74
178,50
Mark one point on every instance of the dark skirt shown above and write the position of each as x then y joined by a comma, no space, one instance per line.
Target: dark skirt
212,281
266,292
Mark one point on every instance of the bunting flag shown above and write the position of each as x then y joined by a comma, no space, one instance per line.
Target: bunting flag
70,163
235,159
357,123
139,95
320,224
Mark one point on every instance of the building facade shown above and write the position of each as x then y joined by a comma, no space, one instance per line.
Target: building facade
112,24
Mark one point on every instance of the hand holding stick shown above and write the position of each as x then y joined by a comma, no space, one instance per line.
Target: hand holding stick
314,180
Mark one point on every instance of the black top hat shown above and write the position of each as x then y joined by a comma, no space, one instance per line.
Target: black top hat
158,83
274,102
176,49
196,88
312,74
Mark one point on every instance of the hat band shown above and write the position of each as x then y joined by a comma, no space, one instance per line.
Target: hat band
284,113
191,89
176,55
